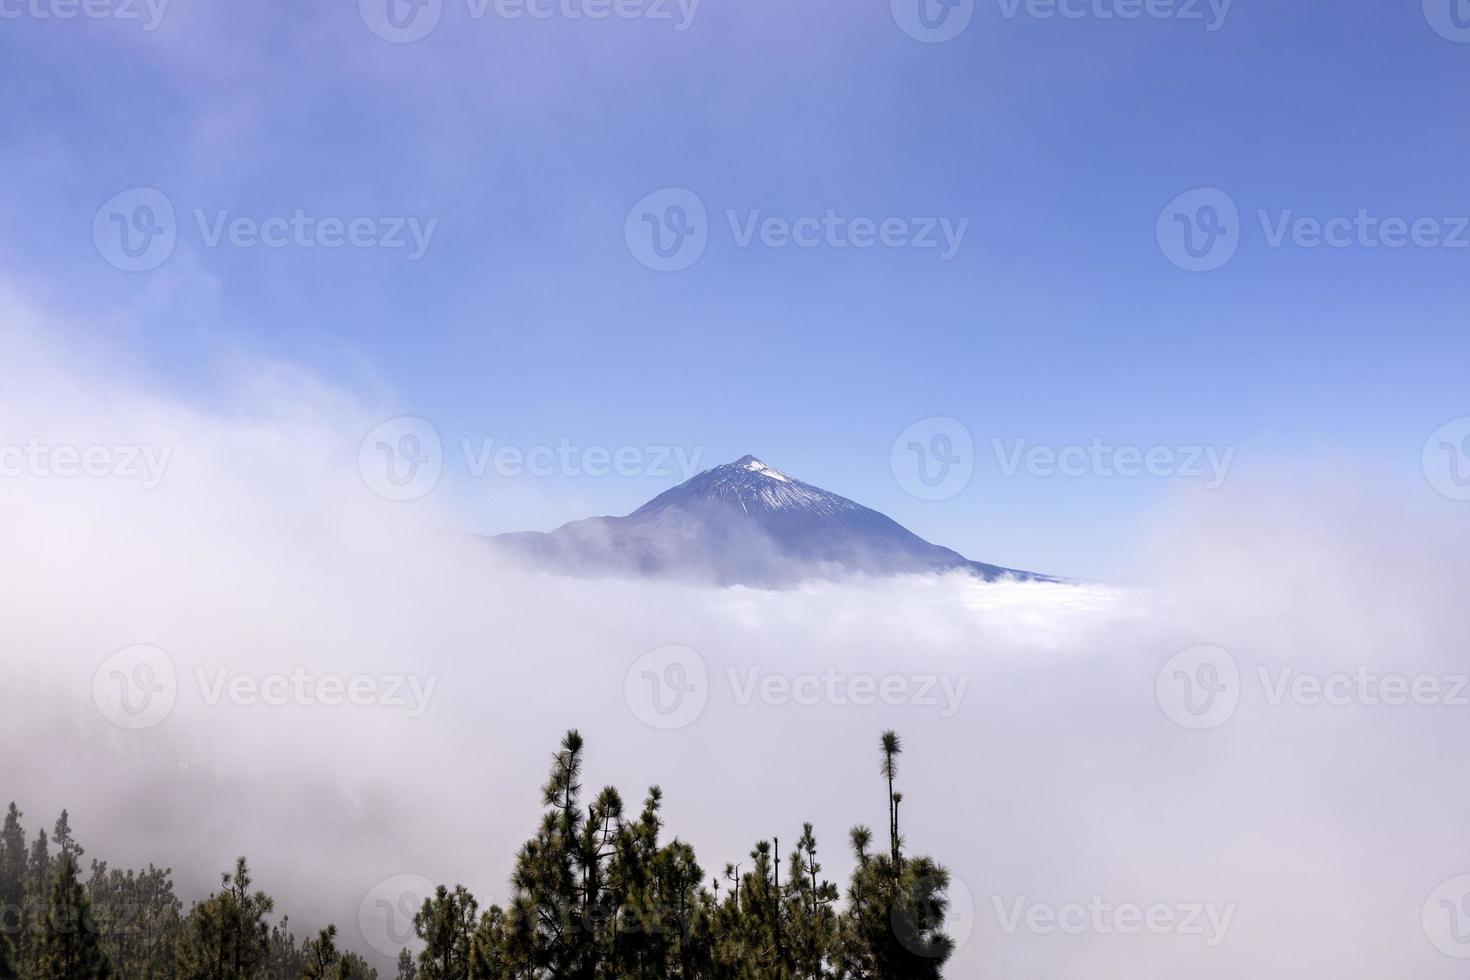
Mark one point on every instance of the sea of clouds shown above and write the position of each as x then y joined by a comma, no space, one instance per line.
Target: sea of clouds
364,697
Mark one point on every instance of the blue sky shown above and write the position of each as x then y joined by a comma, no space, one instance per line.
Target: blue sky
1061,319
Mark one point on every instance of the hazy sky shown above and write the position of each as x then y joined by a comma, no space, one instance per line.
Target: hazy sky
1050,146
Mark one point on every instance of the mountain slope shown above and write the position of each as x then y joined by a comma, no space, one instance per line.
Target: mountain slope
742,523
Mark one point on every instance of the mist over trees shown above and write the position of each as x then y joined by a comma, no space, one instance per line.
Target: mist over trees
597,893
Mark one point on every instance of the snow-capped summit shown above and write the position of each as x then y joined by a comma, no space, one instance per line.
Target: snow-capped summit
758,466
745,522
752,484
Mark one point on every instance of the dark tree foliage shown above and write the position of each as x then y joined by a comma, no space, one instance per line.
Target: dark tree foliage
12,877
285,959
67,947
446,925
597,893
322,960
226,936
137,919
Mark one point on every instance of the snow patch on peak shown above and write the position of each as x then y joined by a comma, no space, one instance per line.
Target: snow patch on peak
756,466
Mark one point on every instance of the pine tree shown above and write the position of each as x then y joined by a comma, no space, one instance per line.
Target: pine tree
810,913
407,969
446,924
660,924
750,945
285,958
225,937
12,879
893,928
320,955
354,967
560,910
138,919
65,843
891,750
492,956
66,945
38,881
322,960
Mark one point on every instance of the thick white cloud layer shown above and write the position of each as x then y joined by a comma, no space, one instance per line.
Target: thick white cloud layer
1045,764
